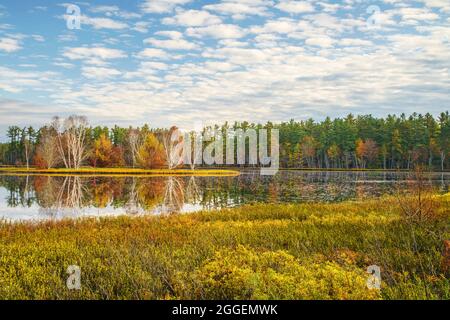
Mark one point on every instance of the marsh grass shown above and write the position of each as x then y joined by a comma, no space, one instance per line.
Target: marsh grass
305,251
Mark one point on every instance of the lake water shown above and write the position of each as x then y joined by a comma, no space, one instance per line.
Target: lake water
43,197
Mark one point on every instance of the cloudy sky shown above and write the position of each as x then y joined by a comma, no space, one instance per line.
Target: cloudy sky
184,61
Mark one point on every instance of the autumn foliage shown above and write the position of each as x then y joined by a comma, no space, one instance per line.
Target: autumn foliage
151,153
366,151
105,154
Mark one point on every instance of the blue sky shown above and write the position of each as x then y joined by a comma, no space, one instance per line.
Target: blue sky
182,62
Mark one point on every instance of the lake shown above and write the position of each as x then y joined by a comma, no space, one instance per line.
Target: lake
43,197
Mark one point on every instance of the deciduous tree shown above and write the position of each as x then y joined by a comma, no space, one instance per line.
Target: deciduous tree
150,154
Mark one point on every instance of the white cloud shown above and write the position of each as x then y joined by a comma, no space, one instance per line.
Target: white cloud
64,65
324,42
9,45
354,42
15,81
38,38
93,55
161,6
67,37
141,26
170,34
153,65
5,26
113,10
152,53
24,113
282,26
9,88
104,9
294,6
219,31
330,7
103,23
100,73
171,44
192,18
442,5
239,9
413,15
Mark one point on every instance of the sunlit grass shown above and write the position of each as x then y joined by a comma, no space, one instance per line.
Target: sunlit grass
306,251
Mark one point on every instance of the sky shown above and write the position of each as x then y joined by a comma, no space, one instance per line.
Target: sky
185,62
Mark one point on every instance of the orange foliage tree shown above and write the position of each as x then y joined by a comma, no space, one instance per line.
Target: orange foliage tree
105,154
334,153
366,151
151,153
309,148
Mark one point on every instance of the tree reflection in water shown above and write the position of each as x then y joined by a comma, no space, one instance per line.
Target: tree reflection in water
62,199
193,194
173,196
73,196
132,205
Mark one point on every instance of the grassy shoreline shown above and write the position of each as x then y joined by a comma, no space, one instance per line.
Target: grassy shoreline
117,172
306,251
213,171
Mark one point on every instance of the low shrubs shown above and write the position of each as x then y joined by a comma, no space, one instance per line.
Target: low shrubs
244,273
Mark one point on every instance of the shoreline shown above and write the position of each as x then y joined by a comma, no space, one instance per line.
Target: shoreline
180,172
117,172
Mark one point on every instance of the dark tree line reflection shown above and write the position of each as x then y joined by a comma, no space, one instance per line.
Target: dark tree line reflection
166,195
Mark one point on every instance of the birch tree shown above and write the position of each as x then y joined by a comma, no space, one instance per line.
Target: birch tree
61,141
76,127
173,147
134,142
28,135
71,140
47,149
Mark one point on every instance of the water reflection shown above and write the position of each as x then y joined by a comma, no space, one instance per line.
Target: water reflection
44,197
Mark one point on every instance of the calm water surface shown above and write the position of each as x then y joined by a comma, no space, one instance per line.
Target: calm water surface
43,198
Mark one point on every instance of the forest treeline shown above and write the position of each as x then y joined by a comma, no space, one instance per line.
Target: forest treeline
394,142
